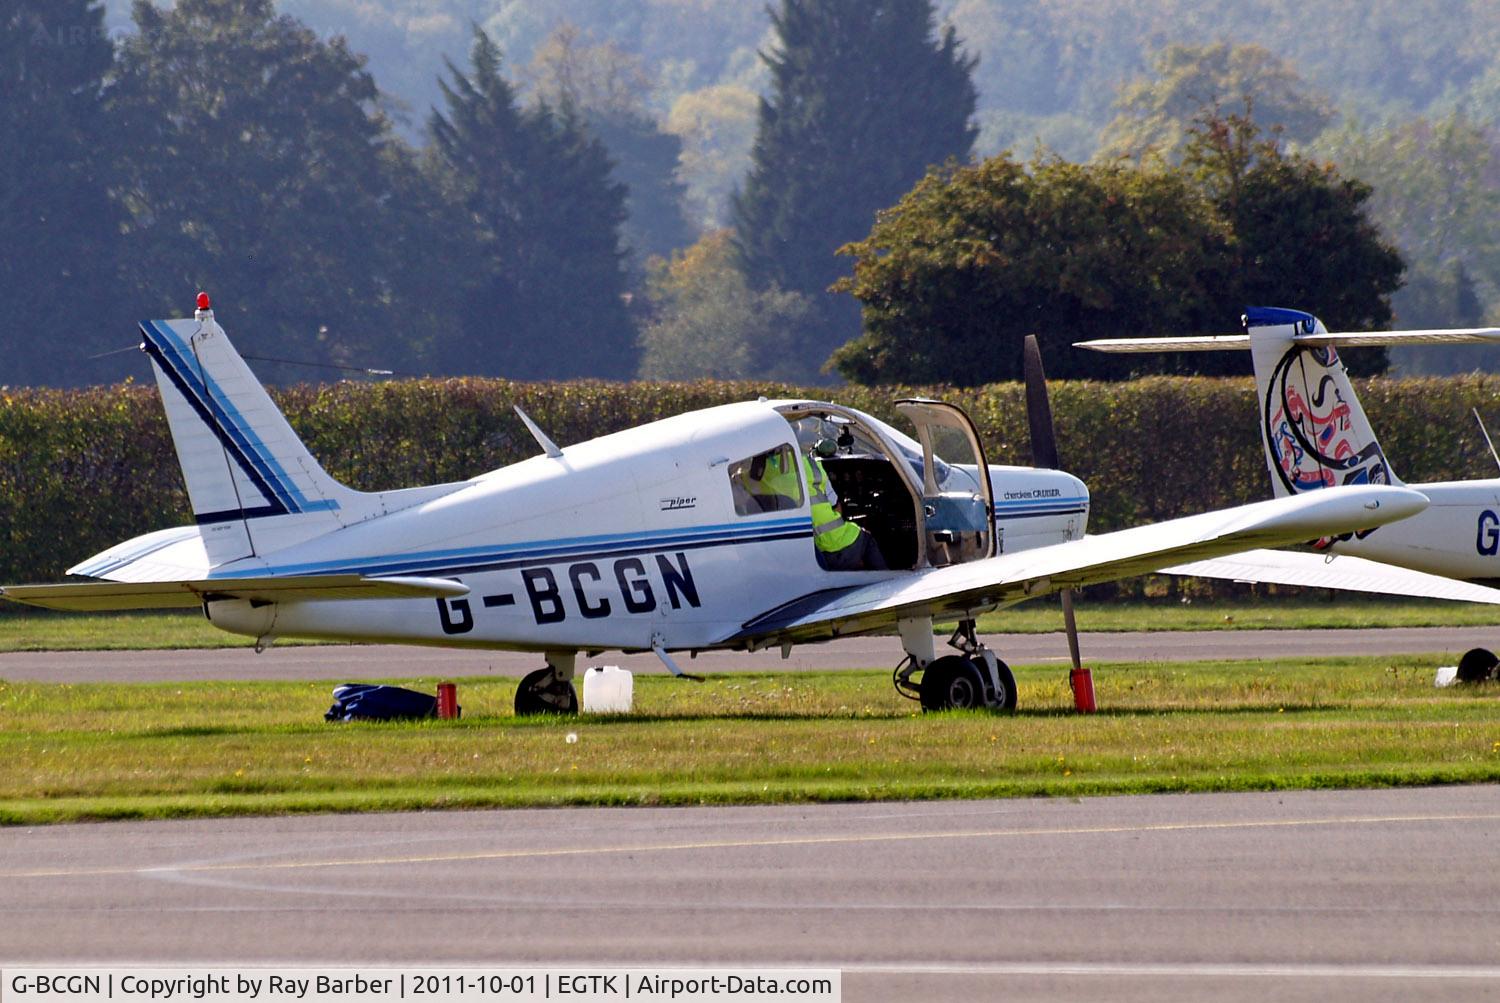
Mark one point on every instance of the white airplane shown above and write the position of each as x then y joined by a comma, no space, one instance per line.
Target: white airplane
642,540
1315,436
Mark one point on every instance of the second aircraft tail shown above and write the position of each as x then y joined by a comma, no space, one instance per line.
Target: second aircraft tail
1313,429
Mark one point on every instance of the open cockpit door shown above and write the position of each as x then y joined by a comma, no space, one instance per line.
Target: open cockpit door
956,498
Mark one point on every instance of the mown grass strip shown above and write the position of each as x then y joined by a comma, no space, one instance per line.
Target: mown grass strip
99,751
39,630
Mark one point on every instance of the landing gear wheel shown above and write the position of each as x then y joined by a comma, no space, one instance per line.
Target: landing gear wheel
953,683
541,692
1477,665
1005,698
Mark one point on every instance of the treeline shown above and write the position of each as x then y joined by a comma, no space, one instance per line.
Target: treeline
535,221
1401,94
83,470
1046,69
224,146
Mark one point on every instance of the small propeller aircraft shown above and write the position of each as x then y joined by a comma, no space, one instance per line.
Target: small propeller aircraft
1315,436
648,539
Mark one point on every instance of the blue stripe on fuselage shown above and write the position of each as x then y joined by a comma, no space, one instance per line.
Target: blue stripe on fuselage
474,559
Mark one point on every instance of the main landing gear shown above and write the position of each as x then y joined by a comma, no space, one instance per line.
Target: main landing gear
1477,665
970,680
549,690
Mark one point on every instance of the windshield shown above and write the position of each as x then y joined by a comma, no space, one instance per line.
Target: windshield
948,476
854,440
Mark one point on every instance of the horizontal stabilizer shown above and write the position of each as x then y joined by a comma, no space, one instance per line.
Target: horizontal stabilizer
167,555
1349,574
98,596
1355,339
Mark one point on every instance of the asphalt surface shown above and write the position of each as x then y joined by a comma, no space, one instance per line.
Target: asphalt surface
1326,896
1354,895
361,662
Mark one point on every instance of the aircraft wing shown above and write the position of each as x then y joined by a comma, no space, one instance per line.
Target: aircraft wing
965,589
97,596
1353,574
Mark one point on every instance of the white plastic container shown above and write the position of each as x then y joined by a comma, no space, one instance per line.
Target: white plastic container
607,689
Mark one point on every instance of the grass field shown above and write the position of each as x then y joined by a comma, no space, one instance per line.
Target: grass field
98,751
27,630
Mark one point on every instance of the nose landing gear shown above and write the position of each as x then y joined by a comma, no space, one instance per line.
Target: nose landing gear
549,690
973,679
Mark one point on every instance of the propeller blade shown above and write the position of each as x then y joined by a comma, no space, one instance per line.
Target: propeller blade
1044,454
1038,407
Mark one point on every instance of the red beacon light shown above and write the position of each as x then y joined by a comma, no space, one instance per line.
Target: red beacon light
203,302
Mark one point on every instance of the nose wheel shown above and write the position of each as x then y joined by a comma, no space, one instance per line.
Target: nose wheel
971,680
545,692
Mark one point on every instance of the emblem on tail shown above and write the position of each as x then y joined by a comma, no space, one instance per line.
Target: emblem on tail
1313,438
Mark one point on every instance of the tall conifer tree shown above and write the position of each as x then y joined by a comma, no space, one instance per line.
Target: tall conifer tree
865,96
546,297
259,166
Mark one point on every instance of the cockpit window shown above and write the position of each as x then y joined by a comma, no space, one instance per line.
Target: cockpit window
766,482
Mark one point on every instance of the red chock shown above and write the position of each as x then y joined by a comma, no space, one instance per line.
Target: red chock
1082,681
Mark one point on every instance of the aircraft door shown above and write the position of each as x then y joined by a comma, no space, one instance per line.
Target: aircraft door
956,498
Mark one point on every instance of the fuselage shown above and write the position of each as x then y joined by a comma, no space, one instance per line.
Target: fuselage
629,541
1458,536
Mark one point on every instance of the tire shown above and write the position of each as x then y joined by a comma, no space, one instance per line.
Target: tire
1005,700
541,692
953,683
1477,665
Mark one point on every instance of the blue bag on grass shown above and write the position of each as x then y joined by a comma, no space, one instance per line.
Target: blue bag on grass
370,702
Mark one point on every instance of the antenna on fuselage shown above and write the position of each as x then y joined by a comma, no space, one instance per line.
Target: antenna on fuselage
548,446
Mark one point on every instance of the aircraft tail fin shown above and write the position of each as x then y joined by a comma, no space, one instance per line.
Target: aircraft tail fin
253,485
1313,429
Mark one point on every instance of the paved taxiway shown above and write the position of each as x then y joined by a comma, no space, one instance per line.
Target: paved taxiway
1353,895
346,662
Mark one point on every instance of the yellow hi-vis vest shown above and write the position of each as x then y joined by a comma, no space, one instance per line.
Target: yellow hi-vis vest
830,532
777,487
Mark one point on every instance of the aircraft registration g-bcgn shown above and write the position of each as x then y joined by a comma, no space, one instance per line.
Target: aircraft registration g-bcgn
644,539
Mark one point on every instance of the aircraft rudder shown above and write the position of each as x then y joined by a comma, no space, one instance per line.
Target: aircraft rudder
240,458
1313,429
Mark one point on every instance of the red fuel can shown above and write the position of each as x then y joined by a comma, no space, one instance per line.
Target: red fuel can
447,705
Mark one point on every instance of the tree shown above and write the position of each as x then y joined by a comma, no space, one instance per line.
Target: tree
608,87
717,127
58,226
1436,192
262,169
569,67
1302,233
974,259
710,323
1157,115
863,100
544,297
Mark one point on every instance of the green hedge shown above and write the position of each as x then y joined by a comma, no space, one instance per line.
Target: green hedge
82,470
